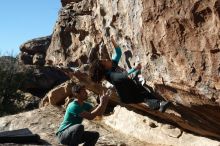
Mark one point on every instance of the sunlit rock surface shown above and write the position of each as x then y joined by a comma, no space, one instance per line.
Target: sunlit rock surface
176,41
45,122
146,129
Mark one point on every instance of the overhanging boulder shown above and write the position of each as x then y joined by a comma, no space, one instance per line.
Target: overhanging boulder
202,119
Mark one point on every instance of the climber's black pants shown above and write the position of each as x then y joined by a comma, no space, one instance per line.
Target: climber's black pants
130,91
75,135
141,95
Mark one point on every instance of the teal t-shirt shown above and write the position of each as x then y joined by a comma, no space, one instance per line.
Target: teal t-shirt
72,115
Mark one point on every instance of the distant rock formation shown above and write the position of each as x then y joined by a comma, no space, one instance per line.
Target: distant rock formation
34,51
40,80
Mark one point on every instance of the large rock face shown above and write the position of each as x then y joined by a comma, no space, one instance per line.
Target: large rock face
178,43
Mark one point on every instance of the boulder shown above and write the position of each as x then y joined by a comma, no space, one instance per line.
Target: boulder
202,121
58,95
38,45
40,80
27,101
177,43
33,51
19,102
140,126
167,37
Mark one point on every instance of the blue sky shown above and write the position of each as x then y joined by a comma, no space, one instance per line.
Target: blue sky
22,20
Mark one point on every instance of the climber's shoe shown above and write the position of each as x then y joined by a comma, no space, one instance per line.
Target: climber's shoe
164,105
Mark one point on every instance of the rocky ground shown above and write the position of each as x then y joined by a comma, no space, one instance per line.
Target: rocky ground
45,122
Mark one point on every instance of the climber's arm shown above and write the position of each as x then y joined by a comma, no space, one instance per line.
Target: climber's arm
117,55
134,71
99,110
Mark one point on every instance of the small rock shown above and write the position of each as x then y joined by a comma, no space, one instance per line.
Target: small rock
152,125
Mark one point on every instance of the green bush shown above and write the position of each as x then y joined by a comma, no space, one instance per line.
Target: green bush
10,81
7,77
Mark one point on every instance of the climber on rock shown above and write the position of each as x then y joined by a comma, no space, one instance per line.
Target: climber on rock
127,89
71,131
